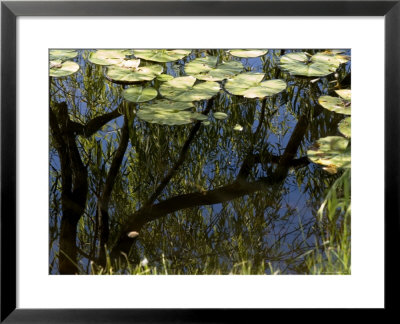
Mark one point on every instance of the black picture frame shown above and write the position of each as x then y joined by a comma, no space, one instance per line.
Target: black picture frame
10,10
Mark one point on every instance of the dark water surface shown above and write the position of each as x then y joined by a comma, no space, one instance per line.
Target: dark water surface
235,193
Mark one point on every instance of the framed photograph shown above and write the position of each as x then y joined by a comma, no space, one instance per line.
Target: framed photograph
198,160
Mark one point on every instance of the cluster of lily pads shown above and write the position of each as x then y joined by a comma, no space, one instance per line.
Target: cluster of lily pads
205,77
61,64
317,65
202,81
123,69
334,152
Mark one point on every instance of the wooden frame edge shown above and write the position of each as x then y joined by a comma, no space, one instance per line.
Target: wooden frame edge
9,13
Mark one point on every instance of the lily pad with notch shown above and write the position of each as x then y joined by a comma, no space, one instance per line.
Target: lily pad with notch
304,64
139,94
185,89
250,85
332,152
129,72
161,55
64,55
331,57
108,56
337,104
59,68
208,69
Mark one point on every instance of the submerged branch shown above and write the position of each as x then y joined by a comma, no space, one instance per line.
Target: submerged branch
163,208
238,188
95,124
61,147
181,159
108,187
74,186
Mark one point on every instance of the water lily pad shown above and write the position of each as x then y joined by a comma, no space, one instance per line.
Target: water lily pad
159,55
164,77
250,85
345,94
199,116
220,115
184,89
62,54
303,65
128,75
330,57
245,53
345,127
207,69
335,51
165,112
332,152
335,104
139,94
108,57
168,105
169,117
164,117
62,69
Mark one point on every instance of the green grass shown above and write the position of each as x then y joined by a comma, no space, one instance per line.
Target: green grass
333,256
242,268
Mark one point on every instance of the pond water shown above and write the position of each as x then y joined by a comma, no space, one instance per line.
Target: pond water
203,161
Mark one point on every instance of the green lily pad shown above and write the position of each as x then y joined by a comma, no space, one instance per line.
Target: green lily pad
199,116
250,85
335,104
128,75
300,64
335,51
166,112
61,69
332,152
158,55
330,57
108,57
139,94
220,115
345,127
62,54
245,53
164,77
169,117
207,69
345,94
168,105
183,89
